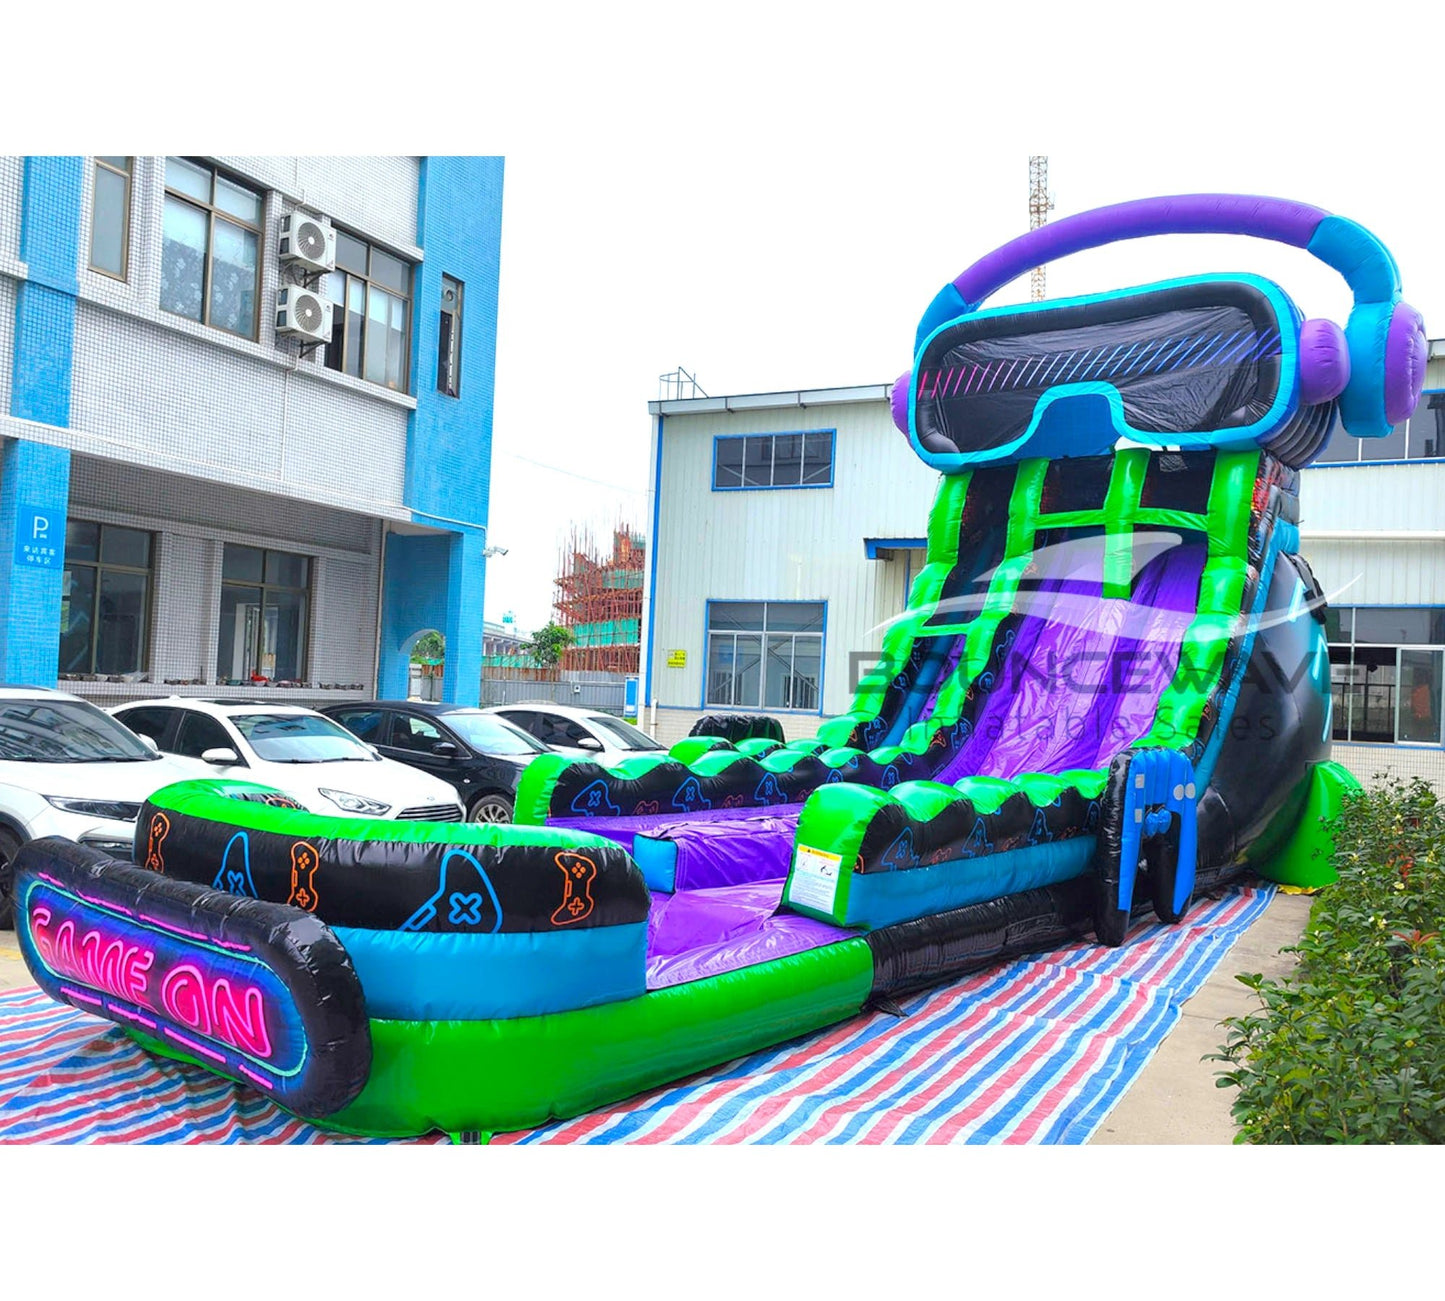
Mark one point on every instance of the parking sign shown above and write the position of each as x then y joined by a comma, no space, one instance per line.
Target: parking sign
39,537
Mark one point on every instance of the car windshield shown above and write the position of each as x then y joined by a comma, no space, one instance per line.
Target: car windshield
299,738
492,735
66,731
623,735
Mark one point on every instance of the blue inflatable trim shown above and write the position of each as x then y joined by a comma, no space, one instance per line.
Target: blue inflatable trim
1101,420
882,898
455,976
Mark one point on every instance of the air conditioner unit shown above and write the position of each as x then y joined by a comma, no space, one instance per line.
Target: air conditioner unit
303,314
308,242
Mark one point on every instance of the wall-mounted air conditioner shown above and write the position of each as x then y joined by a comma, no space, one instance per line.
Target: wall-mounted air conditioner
308,242
303,314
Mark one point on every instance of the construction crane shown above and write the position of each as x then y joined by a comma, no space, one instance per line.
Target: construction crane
1040,201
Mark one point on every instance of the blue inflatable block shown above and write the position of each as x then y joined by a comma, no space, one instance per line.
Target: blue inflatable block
658,860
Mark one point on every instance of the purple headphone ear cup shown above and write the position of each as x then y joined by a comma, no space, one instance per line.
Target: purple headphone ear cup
1324,362
1406,352
899,399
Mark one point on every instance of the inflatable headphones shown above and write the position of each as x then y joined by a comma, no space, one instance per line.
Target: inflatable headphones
1375,366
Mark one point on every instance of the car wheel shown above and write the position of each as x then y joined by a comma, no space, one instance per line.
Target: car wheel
490,808
9,847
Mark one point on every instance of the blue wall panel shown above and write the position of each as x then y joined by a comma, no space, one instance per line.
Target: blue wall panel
416,584
449,442
35,479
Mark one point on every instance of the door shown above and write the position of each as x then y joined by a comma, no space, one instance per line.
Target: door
413,740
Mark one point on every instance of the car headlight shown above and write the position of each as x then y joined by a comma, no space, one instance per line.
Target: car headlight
116,810
355,803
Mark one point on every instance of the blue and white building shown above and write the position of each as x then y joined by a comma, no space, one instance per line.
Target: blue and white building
209,486
788,527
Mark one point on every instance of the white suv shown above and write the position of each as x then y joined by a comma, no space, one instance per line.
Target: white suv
294,749
579,733
67,769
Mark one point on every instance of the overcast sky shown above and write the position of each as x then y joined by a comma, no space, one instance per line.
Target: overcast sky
770,195
772,205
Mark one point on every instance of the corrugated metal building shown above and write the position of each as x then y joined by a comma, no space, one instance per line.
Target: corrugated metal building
788,528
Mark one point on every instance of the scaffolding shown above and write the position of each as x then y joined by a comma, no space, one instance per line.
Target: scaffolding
1040,203
599,599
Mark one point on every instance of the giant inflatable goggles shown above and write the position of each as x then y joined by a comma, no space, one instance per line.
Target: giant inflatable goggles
1218,361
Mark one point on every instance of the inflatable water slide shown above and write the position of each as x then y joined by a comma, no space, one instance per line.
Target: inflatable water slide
1109,692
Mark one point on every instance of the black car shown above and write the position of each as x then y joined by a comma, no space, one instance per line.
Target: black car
478,753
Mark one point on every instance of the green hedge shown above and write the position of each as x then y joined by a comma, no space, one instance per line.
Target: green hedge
1350,1048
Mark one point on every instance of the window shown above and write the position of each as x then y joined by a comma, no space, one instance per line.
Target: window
372,292
803,460
210,264
64,731
364,723
449,348
298,738
622,736
110,216
105,601
154,721
490,734
553,729
409,732
199,733
765,655
1386,666
264,599
1421,437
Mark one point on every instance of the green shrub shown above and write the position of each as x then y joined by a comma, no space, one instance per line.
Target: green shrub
1350,1048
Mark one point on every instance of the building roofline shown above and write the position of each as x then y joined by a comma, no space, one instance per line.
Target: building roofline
827,396
772,401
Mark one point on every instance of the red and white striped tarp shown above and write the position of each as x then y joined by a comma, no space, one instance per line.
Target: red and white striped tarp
1036,1051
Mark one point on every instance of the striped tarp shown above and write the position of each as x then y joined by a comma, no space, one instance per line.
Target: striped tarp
1037,1051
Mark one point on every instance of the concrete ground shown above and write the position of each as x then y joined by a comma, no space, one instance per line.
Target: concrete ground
1175,1099
13,972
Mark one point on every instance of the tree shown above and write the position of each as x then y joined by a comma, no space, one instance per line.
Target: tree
548,644
430,646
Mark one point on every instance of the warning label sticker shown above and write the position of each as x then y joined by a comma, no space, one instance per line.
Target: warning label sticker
814,880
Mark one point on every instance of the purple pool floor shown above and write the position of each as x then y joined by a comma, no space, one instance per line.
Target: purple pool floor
700,933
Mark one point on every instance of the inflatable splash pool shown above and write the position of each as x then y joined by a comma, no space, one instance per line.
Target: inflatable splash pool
1110,691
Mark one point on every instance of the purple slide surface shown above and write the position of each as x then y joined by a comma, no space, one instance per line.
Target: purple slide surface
623,829
1084,675
733,851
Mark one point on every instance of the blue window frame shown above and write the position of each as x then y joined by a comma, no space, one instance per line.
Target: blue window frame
765,655
801,458
1420,438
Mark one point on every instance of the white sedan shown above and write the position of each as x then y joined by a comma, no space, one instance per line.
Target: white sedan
296,750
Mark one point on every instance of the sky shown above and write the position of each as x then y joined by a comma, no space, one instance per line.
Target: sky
768,195
771,207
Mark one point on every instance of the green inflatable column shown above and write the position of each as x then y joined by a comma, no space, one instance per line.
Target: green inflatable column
1305,858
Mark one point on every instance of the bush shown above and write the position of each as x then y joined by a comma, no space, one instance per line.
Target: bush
1350,1048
